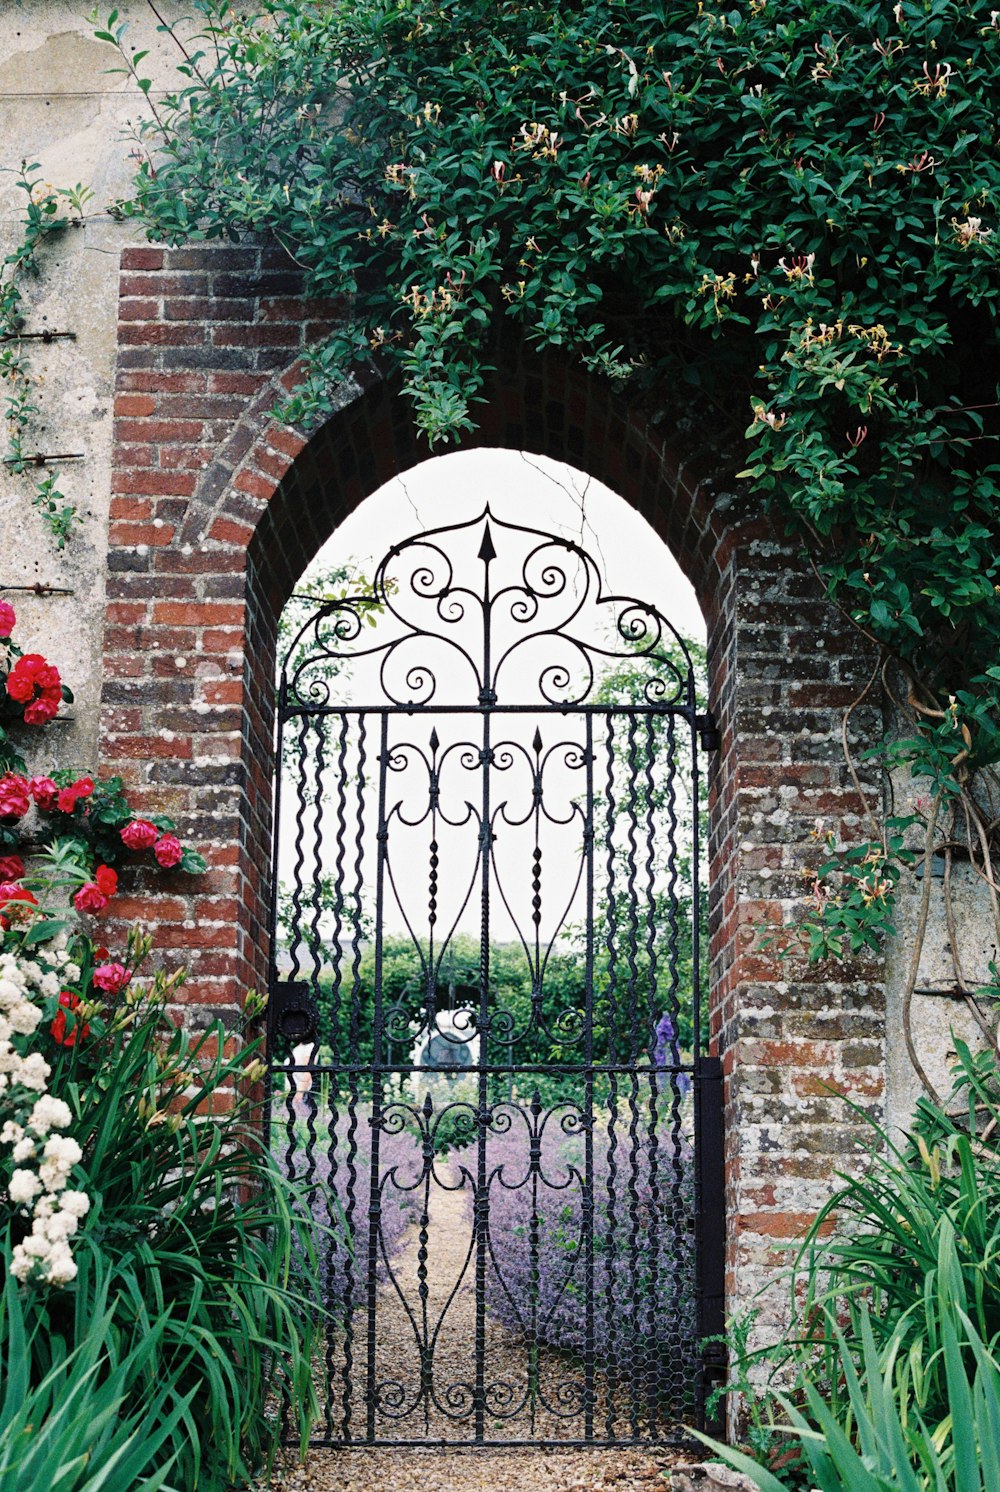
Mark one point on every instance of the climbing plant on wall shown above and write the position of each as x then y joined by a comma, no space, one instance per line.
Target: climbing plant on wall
790,208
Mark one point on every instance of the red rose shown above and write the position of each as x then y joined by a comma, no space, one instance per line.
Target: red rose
11,891
35,683
107,880
90,898
140,834
14,799
11,867
70,1002
44,792
7,619
69,797
41,711
21,681
168,851
15,901
112,978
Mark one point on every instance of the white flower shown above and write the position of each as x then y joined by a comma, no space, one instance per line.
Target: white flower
71,973
60,1225
78,1203
34,1072
24,1186
20,1264
24,1017
11,1132
37,1245
49,1113
10,992
63,1149
61,1266
24,1149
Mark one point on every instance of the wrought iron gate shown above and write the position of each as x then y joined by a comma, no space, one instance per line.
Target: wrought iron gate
485,1024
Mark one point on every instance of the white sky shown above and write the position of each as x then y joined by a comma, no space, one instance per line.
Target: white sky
527,490
522,489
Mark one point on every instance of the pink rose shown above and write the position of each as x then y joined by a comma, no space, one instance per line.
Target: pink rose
112,978
14,799
44,792
168,851
90,898
140,834
7,619
11,867
106,879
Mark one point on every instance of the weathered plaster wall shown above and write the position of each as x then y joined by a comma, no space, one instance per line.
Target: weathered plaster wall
61,108
937,1015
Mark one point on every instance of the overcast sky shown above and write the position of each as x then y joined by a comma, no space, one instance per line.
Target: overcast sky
537,493
522,489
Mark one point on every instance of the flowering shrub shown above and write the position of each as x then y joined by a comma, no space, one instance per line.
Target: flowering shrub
31,1117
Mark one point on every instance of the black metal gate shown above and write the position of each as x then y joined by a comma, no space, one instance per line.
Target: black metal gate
485,1024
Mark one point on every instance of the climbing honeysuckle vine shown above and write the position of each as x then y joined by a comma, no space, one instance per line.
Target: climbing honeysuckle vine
48,212
791,208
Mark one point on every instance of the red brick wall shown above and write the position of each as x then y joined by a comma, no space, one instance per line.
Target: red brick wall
217,509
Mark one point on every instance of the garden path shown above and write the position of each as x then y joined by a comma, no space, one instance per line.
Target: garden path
460,1469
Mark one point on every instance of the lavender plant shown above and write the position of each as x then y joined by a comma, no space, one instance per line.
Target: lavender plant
643,1217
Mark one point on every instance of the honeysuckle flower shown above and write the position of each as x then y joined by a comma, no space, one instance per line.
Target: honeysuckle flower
971,231
934,84
798,266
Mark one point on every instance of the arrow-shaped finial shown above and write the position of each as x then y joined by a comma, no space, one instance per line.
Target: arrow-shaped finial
486,549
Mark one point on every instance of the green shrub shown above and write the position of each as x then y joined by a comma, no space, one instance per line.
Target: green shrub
895,1371
68,1430
197,1238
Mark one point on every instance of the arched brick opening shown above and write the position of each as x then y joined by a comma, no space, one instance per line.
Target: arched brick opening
218,510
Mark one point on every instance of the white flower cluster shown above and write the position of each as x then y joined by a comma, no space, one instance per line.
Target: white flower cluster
30,1119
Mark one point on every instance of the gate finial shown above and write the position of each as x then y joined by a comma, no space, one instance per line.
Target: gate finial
487,552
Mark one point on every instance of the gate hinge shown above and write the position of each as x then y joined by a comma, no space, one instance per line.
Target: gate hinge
292,1009
708,731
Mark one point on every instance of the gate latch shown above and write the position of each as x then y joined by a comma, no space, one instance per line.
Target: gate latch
293,1010
708,731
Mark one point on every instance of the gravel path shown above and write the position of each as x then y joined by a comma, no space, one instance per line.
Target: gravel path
426,1470
423,1468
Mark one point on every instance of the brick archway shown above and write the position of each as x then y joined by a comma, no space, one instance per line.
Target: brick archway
217,511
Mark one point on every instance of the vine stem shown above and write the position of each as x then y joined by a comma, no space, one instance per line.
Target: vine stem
918,947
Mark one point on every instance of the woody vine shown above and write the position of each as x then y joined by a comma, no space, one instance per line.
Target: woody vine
49,213
789,210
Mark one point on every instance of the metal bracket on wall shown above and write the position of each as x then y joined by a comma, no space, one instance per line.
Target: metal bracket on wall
39,588
708,731
45,336
39,458
293,1010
